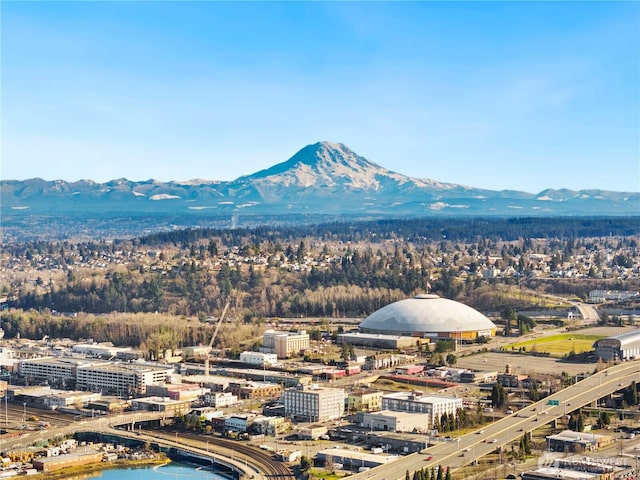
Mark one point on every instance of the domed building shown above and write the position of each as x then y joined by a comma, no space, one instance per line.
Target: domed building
430,316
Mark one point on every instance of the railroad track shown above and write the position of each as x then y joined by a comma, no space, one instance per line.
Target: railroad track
256,458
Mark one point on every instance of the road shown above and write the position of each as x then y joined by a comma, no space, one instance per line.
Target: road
465,449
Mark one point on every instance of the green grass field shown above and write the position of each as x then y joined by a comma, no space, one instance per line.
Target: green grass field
559,345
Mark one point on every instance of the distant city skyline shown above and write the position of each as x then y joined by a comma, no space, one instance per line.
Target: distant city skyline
496,95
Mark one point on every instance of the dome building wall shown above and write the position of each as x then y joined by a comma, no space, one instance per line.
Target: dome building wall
429,316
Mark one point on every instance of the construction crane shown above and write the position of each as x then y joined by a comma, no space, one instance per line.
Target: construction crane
213,338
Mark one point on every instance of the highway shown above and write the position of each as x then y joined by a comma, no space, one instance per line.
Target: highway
243,458
465,449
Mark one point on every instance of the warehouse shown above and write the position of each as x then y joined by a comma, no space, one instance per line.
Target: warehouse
619,347
389,421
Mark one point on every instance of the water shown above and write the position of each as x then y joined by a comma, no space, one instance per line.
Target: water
171,471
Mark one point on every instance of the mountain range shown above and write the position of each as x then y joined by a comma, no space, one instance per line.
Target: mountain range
321,179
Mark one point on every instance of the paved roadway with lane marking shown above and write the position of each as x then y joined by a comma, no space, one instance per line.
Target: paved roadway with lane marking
474,445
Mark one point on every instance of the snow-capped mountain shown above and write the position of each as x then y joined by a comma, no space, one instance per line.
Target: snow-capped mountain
323,178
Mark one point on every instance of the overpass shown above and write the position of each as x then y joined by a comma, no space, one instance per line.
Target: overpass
242,461
466,449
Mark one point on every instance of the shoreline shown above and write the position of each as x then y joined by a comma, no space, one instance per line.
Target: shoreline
83,472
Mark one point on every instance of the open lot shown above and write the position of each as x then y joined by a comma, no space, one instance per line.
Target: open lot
560,344
524,364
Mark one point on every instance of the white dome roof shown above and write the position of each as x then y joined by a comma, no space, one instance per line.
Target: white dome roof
425,314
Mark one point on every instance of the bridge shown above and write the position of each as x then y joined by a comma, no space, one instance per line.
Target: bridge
466,449
241,461
458,453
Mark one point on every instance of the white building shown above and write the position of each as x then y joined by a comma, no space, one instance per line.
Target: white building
68,399
220,399
314,404
238,423
415,402
395,421
260,359
53,369
122,378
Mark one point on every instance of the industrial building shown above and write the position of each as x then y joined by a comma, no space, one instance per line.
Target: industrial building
429,316
395,421
570,441
313,404
162,404
397,442
619,347
260,359
283,378
51,464
416,402
177,391
376,340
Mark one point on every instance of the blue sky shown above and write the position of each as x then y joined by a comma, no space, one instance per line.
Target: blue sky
496,95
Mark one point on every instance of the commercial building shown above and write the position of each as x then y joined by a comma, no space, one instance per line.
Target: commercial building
105,350
395,421
376,340
313,404
260,359
364,401
177,391
220,399
269,425
619,347
238,423
68,399
162,404
416,402
121,378
312,432
285,379
284,344
429,316
255,390
570,441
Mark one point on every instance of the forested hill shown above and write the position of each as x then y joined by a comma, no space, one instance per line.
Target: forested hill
419,231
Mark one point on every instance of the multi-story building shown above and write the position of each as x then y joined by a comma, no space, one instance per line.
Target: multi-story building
121,378
54,370
364,401
270,425
284,344
314,404
177,391
238,423
220,399
415,402
260,359
255,390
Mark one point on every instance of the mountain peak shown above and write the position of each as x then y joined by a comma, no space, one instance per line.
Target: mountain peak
321,162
